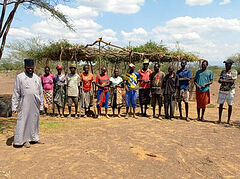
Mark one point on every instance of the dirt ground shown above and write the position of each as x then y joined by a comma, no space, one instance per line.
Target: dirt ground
125,148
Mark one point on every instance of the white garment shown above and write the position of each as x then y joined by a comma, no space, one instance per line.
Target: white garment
115,81
28,99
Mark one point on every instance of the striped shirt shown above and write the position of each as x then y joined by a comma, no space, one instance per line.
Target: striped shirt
132,79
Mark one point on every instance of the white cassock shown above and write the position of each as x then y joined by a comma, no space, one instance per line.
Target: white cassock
28,99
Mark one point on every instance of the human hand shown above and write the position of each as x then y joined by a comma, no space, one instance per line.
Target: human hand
203,86
197,86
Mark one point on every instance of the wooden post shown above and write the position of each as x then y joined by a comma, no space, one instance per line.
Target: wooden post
91,66
99,51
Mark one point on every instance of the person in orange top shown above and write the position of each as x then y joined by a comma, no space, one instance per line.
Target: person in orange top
144,91
86,82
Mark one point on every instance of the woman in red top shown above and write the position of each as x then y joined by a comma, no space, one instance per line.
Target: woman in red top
86,80
102,81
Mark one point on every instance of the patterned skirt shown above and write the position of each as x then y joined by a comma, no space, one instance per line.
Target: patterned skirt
116,97
59,95
48,99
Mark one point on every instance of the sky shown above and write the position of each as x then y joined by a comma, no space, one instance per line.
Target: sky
207,28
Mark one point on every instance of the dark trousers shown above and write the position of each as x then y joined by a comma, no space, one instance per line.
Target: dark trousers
169,102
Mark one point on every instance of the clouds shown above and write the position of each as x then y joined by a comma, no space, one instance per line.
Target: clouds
225,2
202,36
82,19
20,33
204,2
198,2
138,35
115,6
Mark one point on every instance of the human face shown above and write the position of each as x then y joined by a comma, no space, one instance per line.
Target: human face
183,63
170,69
103,71
59,71
47,71
86,69
156,68
204,66
116,72
29,69
73,70
131,69
228,66
145,66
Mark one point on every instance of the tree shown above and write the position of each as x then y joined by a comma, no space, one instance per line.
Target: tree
236,59
6,19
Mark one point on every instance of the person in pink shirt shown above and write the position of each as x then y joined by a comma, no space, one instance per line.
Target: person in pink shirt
144,91
48,83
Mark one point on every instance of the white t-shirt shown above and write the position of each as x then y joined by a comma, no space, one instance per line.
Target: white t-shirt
115,81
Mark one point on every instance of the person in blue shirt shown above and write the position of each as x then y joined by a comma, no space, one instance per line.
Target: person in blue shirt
185,76
203,79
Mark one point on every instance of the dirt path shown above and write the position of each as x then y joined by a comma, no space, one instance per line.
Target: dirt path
127,148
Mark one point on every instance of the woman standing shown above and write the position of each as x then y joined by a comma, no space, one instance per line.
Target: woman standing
116,92
86,78
59,91
47,83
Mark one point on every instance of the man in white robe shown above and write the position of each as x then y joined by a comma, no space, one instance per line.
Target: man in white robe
27,101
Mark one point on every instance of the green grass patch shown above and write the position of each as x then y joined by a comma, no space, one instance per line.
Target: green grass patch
49,126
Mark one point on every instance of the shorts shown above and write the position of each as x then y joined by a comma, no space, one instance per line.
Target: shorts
71,100
105,103
222,97
131,98
144,97
156,99
183,96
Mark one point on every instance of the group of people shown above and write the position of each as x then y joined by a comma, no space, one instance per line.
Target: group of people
32,94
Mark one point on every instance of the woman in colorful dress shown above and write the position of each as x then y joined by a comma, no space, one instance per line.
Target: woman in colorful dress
47,83
86,79
59,91
116,92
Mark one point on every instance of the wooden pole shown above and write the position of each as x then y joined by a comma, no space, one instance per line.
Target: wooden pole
100,60
91,66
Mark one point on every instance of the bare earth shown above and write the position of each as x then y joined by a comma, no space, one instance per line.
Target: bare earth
126,148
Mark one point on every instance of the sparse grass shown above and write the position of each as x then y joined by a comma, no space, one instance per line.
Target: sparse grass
7,124
211,106
48,126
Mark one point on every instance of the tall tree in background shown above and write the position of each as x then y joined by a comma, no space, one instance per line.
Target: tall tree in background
7,18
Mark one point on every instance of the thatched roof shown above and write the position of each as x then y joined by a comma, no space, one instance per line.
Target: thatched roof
107,50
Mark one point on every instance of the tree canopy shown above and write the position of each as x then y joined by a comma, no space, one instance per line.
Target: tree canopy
12,6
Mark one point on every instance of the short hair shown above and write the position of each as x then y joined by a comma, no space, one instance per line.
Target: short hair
85,66
184,60
157,64
205,61
104,67
47,67
171,66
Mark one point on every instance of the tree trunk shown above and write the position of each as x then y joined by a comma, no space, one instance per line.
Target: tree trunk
3,13
7,25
